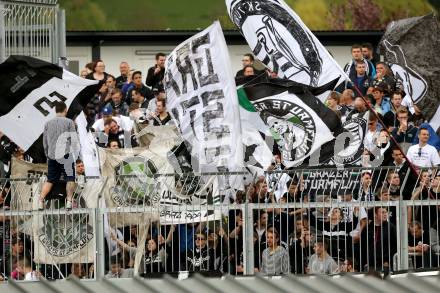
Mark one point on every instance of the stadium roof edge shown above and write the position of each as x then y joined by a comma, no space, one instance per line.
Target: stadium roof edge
232,37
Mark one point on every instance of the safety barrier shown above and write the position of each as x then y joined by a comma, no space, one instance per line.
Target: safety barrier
311,221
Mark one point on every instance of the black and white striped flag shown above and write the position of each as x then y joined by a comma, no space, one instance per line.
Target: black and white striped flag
30,89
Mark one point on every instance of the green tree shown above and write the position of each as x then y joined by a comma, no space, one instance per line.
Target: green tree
85,15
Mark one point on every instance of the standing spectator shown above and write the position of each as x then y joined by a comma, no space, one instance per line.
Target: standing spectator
384,78
405,133
300,252
423,154
248,71
60,157
248,60
117,104
360,79
390,118
368,53
162,117
124,70
321,262
333,102
136,83
380,240
275,259
346,102
98,72
201,258
382,104
356,53
156,73
372,133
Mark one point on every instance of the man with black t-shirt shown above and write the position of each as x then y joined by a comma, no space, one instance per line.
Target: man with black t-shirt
156,73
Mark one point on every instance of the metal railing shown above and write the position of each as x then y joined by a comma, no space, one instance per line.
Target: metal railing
314,221
32,28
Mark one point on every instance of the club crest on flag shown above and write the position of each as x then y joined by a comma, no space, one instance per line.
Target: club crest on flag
352,154
291,125
277,39
63,235
135,184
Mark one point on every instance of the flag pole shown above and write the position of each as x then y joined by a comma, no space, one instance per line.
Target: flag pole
412,167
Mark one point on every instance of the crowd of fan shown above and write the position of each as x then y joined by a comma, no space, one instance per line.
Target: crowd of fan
286,239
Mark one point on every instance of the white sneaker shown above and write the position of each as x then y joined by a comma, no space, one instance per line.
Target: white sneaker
40,205
68,205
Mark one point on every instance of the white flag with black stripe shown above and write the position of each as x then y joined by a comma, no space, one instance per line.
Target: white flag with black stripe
29,89
279,39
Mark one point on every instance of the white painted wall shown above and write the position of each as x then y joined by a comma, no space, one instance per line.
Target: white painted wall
142,57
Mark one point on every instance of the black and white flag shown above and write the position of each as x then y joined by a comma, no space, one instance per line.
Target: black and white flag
300,123
410,46
202,98
30,89
279,39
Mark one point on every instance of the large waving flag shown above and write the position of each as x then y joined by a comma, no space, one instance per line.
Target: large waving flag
280,40
30,89
300,123
202,98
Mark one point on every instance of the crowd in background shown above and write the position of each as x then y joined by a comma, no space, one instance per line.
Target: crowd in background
287,239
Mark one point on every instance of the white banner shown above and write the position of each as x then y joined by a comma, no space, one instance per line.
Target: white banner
25,122
201,95
279,39
89,153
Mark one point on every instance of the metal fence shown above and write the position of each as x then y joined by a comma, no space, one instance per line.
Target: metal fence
32,28
320,221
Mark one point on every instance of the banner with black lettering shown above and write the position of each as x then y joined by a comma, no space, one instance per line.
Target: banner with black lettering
333,182
202,97
300,123
29,89
279,39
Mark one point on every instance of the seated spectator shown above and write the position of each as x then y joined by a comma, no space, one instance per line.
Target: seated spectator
155,74
382,103
124,70
136,83
405,132
116,270
98,71
201,257
117,104
422,154
321,262
138,98
275,258
390,118
161,117
418,245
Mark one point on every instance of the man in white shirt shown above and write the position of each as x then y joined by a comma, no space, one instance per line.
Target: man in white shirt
423,155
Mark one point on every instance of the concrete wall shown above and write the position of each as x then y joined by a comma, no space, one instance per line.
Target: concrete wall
142,57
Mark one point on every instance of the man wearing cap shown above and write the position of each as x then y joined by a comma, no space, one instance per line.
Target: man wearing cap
382,105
